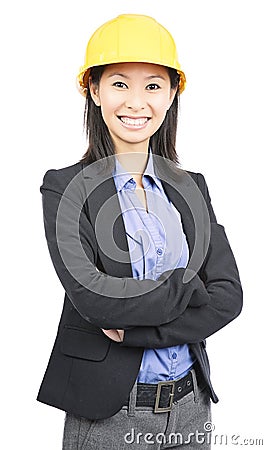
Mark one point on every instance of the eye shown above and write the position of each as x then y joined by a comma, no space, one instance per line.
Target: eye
153,87
120,84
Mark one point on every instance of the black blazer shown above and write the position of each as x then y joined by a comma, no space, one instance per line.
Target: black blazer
88,374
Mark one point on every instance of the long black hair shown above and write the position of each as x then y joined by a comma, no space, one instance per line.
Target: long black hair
100,143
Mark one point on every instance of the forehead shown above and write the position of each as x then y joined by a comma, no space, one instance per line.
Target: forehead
133,68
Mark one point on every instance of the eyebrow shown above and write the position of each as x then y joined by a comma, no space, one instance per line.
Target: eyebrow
150,77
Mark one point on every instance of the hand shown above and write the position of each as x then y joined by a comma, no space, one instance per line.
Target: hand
114,335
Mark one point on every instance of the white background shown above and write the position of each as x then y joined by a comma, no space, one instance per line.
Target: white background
222,134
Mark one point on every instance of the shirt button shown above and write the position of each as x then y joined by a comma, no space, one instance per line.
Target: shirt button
174,355
159,251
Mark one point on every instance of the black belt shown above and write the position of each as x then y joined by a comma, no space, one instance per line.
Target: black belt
162,395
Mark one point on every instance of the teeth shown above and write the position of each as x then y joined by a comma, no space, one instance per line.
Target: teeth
136,122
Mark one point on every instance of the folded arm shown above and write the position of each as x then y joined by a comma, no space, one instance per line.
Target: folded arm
195,324
139,302
220,275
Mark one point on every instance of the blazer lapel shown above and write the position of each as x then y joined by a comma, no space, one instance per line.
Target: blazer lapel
177,185
103,201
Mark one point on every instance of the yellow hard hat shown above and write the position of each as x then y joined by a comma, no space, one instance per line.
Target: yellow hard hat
130,38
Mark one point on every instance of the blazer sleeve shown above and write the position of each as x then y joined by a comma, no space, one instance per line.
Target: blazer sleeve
139,302
222,283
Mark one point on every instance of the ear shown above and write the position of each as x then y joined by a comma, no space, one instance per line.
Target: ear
94,92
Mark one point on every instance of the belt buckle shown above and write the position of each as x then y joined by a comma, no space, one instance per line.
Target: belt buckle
157,408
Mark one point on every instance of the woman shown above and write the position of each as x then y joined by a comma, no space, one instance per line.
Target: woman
147,270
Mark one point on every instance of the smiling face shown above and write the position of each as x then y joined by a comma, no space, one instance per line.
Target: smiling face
134,99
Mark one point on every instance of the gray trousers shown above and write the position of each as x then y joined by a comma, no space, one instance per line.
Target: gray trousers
186,426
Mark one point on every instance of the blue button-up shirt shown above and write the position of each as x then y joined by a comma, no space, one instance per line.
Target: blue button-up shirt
156,243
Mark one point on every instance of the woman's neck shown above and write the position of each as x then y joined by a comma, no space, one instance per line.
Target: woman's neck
134,162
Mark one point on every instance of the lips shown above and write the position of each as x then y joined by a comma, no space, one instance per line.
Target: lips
136,122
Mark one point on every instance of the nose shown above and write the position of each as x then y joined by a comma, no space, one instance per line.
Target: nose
135,100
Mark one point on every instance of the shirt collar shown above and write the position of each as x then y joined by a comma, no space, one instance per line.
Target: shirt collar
121,176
